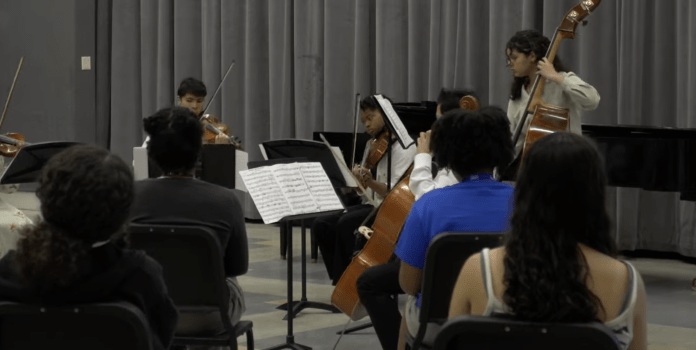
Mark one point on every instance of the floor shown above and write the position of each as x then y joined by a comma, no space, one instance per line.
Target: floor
671,302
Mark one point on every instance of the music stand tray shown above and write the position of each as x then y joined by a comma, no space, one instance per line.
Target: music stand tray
27,164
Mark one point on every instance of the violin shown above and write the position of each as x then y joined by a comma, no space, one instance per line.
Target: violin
11,143
378,148
213,128
546,118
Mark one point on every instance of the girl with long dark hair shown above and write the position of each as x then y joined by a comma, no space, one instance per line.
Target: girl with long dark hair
559,262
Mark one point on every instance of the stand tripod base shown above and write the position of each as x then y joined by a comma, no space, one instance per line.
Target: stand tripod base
298,306
290,344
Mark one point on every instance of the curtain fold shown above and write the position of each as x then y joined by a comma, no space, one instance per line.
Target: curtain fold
299,64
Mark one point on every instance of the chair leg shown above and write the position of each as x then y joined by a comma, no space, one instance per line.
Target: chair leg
250,339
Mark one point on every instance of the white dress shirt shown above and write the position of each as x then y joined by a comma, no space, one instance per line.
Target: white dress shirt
422,180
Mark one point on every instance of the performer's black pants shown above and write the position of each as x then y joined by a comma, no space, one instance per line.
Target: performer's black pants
335,238
376,286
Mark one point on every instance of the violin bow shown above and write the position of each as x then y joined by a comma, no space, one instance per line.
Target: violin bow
355,128
9,97
218,88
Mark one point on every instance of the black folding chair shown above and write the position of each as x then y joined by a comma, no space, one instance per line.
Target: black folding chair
443,261
191,258
492,333
109,326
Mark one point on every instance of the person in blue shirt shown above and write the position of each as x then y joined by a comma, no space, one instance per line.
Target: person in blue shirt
471,144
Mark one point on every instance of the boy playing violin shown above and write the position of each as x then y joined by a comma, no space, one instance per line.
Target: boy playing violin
334,233
191,94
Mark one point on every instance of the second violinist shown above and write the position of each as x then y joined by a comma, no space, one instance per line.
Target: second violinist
334,233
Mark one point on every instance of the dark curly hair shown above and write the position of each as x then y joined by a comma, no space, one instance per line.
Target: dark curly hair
467,141
448,99
370,102
193,86
86,195
526,42
175,139
559,203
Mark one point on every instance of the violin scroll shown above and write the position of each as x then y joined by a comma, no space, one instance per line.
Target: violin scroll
469,103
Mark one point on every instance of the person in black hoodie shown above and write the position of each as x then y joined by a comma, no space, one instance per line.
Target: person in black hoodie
177,197
77,253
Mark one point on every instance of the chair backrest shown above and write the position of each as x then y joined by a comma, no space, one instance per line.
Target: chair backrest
443,262
491,333
192,266
115,325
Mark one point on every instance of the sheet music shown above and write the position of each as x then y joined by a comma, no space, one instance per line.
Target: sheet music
401,132
348,171
266,193
345,171
320,186
296,191
263,151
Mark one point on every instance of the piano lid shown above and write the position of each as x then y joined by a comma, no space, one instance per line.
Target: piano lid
651,158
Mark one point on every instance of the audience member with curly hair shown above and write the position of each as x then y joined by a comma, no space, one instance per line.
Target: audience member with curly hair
179,198
471,144
559,262
76,254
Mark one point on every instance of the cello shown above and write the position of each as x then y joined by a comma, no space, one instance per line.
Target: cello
382,238
546,118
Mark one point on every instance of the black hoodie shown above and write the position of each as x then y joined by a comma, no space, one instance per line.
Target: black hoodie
108,273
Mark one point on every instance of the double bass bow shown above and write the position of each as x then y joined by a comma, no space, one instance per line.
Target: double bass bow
382,238
11,143
546,118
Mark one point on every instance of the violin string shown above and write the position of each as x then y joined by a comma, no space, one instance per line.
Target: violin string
342,332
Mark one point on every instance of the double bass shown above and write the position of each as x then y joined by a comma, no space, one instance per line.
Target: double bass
546,118
382,238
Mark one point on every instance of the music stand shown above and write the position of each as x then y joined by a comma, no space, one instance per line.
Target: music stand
27,164
313,151
294,307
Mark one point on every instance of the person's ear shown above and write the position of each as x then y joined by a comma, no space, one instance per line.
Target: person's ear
533,56
469,103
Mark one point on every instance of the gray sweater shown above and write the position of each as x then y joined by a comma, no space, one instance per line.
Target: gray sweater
573,93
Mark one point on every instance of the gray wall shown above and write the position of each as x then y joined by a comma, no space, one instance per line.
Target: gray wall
54,99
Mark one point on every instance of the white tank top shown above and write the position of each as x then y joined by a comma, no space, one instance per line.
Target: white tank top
621,326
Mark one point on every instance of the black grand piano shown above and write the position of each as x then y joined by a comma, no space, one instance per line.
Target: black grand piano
651,158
